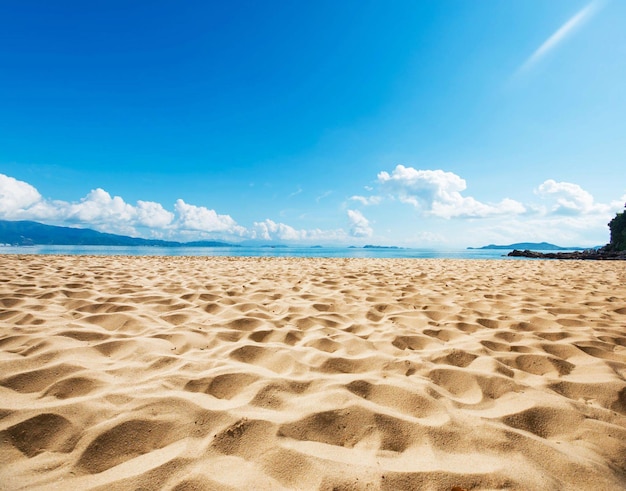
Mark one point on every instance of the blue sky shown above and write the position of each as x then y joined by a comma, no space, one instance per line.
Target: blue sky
412,123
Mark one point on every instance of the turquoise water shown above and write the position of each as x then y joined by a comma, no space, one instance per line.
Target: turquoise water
259,252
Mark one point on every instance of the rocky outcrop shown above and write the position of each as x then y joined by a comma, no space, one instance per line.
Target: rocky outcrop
614,250
592,254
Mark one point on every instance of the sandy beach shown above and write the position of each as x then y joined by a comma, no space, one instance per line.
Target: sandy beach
195,373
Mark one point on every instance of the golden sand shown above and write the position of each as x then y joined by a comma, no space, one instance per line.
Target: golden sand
127,373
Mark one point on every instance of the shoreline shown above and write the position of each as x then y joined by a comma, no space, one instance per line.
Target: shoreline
304,252
179,372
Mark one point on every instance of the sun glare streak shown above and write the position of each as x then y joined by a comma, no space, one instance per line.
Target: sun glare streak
566,29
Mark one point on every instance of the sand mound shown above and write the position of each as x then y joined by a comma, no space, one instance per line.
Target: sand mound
316,374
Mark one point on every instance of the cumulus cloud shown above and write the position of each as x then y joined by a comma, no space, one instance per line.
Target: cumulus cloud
20,200
199,218
16,197
111,213
101,211
567,215
359,225
438,193
98,207
151,214
271,230
570,199
560,211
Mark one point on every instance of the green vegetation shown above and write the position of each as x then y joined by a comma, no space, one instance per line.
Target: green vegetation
618,232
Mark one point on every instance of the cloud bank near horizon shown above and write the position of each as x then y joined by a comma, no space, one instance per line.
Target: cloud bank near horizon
439,194
20,200
432,196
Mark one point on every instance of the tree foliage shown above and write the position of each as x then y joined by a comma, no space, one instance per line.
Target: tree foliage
618,232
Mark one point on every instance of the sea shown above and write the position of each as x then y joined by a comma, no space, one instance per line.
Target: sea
247,251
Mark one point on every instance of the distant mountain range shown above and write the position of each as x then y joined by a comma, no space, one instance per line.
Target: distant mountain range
531,246
25,233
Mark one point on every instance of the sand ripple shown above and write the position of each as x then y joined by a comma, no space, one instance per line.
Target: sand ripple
264,373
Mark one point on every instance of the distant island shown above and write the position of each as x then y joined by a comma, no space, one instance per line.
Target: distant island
531,246
379,247
26,233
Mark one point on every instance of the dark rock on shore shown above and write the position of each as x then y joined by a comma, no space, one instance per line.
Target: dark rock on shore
591,254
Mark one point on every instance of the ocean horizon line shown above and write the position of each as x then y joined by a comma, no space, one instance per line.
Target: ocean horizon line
381,252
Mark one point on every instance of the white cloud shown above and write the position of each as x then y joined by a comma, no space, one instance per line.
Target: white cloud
359,225
101,211
151,214
270,230
562,213
438,193
555,39
16,197
567,216
201,219
98,207
20,200
421,187
105,213
366,200
570,199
